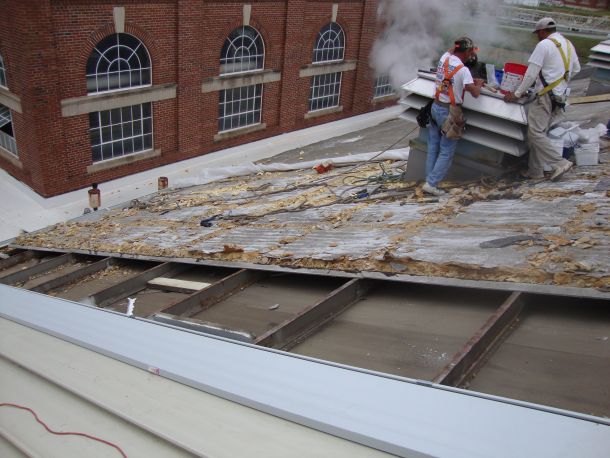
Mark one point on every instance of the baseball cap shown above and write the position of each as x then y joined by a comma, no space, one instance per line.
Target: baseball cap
463,43
545,23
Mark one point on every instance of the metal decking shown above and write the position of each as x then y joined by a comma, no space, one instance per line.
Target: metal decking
391,414
544,349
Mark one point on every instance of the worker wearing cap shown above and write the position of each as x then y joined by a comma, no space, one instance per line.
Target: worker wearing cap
452,79
551,66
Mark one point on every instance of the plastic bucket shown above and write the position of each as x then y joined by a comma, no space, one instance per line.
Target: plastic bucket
513,75
587,154
517,69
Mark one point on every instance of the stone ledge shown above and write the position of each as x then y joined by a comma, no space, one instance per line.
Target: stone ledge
385,98
323,68
239,132
10,100
118,99
10,157
325,111
122,160
219,83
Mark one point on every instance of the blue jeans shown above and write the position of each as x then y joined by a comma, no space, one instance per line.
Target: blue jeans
440,148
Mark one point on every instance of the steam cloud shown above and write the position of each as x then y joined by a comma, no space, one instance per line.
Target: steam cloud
414,30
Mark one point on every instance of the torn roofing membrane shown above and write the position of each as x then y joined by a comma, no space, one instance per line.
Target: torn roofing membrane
366,218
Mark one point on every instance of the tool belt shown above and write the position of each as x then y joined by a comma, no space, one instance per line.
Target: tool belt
455,124
556,103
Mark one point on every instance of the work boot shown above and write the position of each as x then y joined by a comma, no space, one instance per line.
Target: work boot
559,171
428,188
529,175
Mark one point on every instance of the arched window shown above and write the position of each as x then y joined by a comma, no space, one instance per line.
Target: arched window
119,61
325,90
243,51
330,44
2,72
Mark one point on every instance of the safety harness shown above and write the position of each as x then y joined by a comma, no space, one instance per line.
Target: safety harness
566,63
446,85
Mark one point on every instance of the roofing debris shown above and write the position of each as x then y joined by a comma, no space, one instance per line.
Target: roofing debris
365,218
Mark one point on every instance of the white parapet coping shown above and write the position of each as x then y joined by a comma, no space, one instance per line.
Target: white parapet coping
400,416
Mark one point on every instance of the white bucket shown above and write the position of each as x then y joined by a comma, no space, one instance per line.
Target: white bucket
587,154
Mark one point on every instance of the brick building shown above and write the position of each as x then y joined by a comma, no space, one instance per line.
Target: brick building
95,90
593,4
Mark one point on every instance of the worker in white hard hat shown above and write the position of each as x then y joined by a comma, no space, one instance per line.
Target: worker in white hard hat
551,66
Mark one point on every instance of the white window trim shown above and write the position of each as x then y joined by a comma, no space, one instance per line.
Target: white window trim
3,70
152,135
338,99
150,67
246,71
383,96
316,49
14,154
227,131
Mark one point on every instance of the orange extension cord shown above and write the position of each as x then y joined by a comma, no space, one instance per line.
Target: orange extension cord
63,433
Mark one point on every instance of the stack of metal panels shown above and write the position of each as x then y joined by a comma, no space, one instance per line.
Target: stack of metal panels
600,59
490,121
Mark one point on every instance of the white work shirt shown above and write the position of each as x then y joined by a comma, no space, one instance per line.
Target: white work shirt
459,80
547,56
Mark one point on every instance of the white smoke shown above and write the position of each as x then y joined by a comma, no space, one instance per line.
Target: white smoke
415,31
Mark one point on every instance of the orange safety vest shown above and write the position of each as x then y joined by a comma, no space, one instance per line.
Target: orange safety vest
446,83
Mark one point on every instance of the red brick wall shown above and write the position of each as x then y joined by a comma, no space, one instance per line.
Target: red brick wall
184,38
596,4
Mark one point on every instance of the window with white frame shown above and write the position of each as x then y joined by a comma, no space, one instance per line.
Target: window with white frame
243,51
383,86
2,72
119,62
7,136
325,91
120,131
330,44
239,107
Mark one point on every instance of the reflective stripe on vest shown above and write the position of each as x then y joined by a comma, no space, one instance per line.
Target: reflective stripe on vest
447,81
566,64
